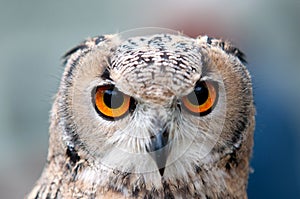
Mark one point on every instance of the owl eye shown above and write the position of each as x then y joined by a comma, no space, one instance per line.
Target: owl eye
202,100
111,103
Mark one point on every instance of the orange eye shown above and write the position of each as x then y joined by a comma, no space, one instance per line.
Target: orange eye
202,100
110,102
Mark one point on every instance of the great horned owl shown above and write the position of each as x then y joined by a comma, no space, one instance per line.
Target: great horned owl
158,115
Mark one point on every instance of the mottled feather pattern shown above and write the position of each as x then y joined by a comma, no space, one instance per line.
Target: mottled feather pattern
207,156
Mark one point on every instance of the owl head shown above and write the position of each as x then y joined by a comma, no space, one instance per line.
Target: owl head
160,107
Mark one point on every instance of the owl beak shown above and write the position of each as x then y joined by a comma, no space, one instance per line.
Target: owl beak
159,149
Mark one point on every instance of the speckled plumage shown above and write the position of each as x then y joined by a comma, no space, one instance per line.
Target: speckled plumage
208,156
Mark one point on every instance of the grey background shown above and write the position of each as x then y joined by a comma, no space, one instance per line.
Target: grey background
35,34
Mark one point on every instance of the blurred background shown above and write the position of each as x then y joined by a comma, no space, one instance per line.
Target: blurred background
35,34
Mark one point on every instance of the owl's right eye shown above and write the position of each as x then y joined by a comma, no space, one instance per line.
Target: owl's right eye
111,103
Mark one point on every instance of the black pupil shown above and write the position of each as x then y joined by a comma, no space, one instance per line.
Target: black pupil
113,98
200,94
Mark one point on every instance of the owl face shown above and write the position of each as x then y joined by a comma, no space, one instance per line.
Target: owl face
157,106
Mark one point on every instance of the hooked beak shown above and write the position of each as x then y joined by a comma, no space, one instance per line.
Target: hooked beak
159,150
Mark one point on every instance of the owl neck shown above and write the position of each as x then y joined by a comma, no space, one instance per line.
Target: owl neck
77,170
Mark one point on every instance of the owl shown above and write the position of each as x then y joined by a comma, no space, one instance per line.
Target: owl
150,115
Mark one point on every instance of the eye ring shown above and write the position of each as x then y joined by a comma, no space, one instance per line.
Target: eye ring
202,100
111,103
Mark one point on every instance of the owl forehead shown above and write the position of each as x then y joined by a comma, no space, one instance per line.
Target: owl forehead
156,68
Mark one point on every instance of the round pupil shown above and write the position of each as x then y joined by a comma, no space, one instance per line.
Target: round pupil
200,94
113,99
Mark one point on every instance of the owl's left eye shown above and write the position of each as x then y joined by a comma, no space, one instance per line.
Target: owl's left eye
202,100
111,103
